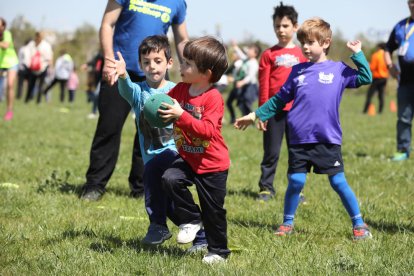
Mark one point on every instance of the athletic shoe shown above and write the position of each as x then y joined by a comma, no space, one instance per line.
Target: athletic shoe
400,156
265,196
92,194
199,243
156,234
284,230
92,116
302,199
212,258
135,194
8,116
188,232
361,232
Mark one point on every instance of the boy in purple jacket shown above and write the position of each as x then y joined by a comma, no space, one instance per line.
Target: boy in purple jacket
315,134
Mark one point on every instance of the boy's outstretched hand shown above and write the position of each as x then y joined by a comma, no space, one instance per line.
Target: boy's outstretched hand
354,46
118,68
245,121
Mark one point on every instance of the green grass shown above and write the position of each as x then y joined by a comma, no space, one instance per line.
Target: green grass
46,229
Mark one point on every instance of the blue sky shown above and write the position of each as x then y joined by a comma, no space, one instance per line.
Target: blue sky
236,19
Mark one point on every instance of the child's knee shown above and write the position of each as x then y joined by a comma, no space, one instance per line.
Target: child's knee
337,180
297,181
168,181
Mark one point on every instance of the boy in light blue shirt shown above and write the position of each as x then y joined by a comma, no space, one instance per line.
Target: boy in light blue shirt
157,144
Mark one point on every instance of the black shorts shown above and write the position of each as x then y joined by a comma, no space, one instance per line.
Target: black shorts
324,158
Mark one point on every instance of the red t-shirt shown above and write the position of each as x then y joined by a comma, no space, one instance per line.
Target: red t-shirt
274,69
197,133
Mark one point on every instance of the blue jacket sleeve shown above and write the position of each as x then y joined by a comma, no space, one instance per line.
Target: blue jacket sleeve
364,72
128,90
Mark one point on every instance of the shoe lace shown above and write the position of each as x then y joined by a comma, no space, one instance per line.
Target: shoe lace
157,228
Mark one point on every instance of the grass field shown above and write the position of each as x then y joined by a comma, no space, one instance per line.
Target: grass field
46,229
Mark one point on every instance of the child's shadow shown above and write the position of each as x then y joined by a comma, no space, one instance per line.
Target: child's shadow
111,242
108,243
243,192
77,189
392,228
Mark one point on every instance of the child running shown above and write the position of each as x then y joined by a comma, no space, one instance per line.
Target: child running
315,134
204,159
157,144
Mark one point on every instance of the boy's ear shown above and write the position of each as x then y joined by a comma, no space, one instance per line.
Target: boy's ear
327,43
295,27
169,64
208,75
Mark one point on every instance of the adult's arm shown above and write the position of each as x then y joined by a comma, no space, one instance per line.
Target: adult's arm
180,38
391,46
106,34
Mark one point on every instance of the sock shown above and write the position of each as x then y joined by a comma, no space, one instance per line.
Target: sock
349,200
295,186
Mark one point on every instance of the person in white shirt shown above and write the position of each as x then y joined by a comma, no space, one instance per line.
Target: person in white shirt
63,69
41,57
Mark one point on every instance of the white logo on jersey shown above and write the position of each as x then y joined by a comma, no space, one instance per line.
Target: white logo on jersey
337,164
301,80
286,60
326,79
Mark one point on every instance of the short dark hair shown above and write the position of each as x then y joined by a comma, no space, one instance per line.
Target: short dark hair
382,45
208,54
155,43
288,11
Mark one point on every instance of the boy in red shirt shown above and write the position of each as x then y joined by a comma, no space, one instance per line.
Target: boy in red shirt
274,68
203,155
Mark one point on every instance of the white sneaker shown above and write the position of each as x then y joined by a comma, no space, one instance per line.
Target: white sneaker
212,258
92,116
188,232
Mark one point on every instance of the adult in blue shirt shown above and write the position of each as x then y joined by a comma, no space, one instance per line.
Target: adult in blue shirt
124,25
402,38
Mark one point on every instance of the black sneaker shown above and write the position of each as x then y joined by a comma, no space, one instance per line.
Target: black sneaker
136,194
92,194
156,234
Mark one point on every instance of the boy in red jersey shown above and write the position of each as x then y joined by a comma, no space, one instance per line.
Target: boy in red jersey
274,68
203,155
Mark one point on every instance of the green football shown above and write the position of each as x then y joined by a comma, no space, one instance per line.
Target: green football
151,107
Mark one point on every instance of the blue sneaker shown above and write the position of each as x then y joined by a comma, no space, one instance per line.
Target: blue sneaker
199,243
400,156
156,234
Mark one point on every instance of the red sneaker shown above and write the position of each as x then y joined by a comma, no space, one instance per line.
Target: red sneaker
361,232
284,230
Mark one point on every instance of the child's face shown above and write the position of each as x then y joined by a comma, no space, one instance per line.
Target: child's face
284,29
189,72
314,51
251,52
155,66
